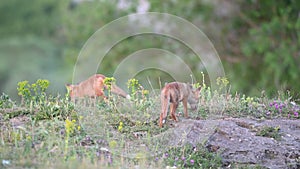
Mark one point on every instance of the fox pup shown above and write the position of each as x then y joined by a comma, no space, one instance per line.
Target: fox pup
174,93
93,87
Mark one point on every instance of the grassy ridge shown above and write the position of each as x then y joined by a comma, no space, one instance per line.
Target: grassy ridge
50,131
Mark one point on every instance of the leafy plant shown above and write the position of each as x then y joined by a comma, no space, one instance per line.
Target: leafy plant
133,85
109,82
6,102
40,104
33,94
71,129
138,95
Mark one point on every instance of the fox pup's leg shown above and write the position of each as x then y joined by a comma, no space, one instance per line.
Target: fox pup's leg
184,102
162,117
164,109
161,120
173,108
163,114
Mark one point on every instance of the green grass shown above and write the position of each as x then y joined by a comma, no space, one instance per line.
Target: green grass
51,132
271,132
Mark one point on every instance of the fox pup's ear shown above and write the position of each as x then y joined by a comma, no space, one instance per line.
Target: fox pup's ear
69,87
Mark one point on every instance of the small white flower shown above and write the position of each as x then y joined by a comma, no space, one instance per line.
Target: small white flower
103,149
168,167
5,162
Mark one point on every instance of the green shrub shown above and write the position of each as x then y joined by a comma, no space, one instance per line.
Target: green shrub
6,102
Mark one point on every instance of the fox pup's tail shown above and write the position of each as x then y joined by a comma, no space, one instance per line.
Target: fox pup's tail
116,90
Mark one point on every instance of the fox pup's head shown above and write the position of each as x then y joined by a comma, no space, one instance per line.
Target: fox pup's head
194,97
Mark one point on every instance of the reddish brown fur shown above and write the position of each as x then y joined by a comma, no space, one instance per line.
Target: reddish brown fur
93,87
174,93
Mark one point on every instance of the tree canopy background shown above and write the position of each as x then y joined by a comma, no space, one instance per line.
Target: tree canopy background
257,41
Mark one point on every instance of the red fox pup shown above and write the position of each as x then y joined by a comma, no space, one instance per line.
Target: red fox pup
174,93
93,87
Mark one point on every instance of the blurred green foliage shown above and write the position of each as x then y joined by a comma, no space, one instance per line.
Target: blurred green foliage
29,17
270,45
42,39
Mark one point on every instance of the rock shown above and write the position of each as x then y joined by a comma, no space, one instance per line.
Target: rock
244,142
238,143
